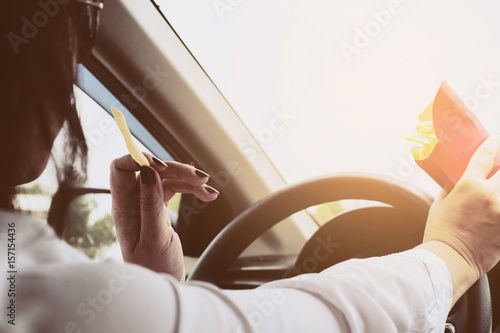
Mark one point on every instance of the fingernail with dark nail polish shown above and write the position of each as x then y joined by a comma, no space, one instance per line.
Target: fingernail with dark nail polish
201,174
159,162
148,176
210,189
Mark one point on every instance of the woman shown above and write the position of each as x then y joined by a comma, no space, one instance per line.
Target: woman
56,289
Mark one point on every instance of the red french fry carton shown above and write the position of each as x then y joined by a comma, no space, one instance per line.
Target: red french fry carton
459,134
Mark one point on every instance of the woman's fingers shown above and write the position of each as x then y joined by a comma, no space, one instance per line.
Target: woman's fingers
185,172
481,163
124,175
203,192
170,169
127,164
154,217
176,177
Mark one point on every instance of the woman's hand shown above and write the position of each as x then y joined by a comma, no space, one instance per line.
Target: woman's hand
139,206
466,222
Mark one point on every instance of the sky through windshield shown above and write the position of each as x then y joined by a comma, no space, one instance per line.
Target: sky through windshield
328,86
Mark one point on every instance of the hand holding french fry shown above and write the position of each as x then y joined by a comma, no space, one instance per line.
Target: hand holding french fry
141,186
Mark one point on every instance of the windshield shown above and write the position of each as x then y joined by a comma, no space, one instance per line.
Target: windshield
332,86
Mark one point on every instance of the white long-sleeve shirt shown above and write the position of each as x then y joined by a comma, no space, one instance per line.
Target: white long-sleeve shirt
58,290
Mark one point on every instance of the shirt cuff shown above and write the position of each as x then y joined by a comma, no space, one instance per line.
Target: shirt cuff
440,279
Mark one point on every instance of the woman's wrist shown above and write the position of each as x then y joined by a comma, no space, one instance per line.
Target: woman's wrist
462,274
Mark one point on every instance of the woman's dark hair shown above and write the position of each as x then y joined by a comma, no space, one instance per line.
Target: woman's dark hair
39,70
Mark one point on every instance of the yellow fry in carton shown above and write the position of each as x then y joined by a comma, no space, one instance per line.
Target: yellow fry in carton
425,137
447,137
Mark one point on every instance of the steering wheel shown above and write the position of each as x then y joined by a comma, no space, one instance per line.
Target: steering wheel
405,212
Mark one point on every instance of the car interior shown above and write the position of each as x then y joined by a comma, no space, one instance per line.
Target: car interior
248,94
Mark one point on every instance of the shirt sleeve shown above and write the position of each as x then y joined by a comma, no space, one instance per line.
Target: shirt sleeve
406,292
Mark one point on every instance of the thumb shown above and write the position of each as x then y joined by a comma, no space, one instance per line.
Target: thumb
153,210
482,161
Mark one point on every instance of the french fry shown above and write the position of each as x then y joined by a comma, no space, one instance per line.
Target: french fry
425,137
136,154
